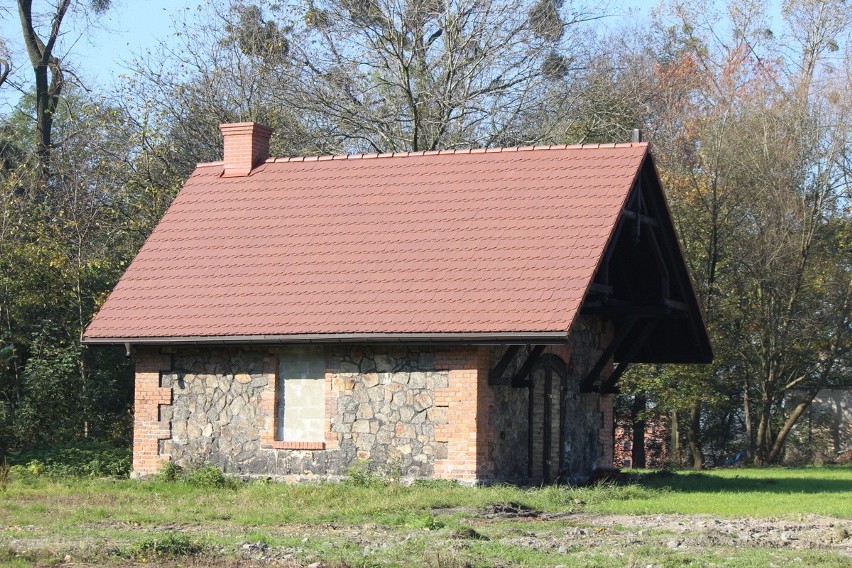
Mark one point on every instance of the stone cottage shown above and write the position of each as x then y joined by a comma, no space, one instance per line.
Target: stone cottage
456,314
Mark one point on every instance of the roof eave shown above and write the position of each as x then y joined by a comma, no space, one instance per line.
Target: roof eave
499,338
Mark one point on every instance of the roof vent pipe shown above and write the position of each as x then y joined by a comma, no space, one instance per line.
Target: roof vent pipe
246,147
637,135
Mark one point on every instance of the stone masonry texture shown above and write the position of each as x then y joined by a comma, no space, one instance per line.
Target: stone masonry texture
384,412
587,441
414,412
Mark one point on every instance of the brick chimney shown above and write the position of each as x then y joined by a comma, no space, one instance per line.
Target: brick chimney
246,147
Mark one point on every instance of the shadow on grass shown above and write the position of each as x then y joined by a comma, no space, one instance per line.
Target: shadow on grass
775,482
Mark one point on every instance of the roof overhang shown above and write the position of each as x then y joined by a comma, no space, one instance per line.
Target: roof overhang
502,338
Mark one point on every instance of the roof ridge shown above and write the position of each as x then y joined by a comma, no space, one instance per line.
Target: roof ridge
407,154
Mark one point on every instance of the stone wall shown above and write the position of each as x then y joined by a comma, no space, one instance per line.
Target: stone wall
510,420
590,420
382,409
216,415
386,410
587,433
415,412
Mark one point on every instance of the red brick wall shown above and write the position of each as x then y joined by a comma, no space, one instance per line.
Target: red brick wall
657,442
148,430
468,400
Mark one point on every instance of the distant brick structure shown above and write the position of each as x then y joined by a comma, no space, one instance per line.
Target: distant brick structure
657,442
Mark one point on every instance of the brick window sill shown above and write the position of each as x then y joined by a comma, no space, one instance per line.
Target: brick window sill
279,445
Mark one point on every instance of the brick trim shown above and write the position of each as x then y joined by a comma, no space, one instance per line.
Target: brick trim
279,445
468,430
607,433
148,429
269,402
332,438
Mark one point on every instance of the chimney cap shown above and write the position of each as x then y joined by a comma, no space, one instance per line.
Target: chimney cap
231,128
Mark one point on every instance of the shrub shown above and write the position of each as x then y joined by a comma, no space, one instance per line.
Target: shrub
91,459
208,476
169,473
51,406
202,476
169,544
359,474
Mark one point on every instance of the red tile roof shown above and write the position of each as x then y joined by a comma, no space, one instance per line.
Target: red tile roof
496,242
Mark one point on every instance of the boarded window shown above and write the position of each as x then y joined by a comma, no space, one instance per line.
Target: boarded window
300,408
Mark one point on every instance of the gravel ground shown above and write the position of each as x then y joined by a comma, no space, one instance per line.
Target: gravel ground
684,532
509,525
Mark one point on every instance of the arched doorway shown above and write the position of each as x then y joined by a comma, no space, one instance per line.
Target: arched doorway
548,383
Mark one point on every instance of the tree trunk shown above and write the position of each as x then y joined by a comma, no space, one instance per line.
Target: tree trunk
637,455
674,450
5,67
44,117
747,419
48,75
693,433
778,445
761,445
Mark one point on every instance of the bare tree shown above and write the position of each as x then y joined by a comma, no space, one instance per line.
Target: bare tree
343,76
229,64
5,62
385,75
49,71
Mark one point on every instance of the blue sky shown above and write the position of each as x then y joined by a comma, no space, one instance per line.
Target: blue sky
100,50
130,27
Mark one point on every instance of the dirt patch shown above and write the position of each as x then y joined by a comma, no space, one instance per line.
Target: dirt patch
685,532
567,536
509,511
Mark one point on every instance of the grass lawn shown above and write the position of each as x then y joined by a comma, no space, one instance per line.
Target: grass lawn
745,492
741,517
